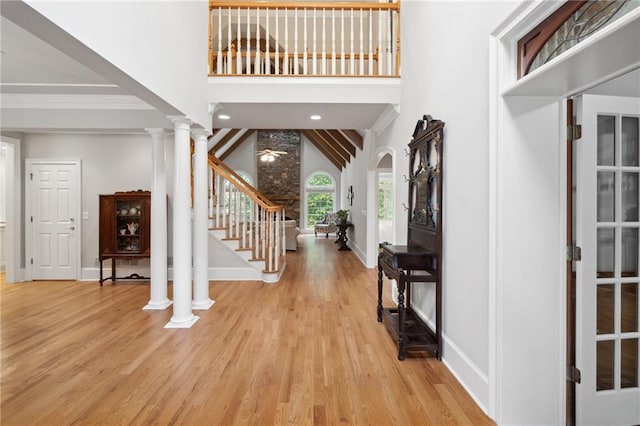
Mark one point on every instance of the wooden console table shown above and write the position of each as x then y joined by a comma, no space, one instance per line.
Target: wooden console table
420,261
342,235
406,266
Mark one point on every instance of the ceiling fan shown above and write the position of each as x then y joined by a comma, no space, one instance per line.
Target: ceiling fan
269,154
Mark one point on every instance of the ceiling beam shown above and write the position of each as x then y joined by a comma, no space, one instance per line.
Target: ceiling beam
343,141
226,138
237,143
354,137
320,144
332,144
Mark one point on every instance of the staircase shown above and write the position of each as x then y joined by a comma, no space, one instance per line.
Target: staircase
247,223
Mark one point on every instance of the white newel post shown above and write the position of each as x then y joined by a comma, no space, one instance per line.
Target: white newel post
182,314
201,298
158,299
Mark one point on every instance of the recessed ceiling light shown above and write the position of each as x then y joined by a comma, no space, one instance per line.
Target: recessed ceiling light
315,117
223,116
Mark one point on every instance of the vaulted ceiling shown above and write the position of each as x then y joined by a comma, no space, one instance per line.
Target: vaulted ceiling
338,146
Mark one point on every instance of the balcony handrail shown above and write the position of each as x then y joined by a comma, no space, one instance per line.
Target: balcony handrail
298,38
304,5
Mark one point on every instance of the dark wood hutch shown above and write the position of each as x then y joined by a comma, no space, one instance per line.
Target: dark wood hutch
125,225
420,261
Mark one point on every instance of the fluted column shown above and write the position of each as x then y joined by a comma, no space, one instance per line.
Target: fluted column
158,299
201,298
182,291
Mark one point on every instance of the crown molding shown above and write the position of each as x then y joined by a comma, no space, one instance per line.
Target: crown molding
58,101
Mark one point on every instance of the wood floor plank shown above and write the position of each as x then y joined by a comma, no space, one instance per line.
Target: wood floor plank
305,350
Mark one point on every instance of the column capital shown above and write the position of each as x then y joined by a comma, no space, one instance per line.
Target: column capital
200,133
156,131
180,121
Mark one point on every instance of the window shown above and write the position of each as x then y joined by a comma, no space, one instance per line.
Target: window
385,196
320,194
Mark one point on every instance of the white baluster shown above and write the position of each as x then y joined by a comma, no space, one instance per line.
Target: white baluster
324,42
219,52
277,56
247,60
342,53
267,41
314,60
370,62
295,41
286,42
239,47
229,56
258,58
352,58
304,46
361,61
389,49
333,42
380,46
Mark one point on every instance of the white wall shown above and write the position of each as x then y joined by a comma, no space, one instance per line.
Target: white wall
445,73
166,44
531,263
110,163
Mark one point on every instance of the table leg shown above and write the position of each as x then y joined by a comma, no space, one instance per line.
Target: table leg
379,293
401,336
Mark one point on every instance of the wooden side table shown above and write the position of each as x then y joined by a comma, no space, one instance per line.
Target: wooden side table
342,235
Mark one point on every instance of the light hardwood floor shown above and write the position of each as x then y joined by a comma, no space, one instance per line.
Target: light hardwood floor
306,350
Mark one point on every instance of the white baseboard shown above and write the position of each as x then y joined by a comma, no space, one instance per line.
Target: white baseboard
470,376
359,254
215,274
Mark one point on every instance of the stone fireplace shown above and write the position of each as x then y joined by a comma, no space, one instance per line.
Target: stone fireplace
280,180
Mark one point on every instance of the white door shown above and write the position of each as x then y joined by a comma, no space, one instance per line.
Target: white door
607,226
53,216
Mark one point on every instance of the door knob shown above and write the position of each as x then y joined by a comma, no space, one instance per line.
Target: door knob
72,228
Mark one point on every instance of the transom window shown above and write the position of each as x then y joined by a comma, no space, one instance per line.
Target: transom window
569,25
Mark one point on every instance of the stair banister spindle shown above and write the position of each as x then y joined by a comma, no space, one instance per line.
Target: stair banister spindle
380,48
219,53
229,57
258,65
390,45
342,53
243,209
323,71
333,42
314,60
239,45
352,70
247,60
370,63
305,71
286,42
267,42
277,57
295,41
361,61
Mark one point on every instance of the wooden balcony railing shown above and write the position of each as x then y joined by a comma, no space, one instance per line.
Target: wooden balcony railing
304,38
246,215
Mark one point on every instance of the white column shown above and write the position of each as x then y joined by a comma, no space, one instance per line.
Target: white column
158,298
182,314
201,298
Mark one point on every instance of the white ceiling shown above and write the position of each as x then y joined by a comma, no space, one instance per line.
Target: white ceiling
42,90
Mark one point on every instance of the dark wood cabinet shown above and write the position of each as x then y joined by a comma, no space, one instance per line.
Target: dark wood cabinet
420,261
125,225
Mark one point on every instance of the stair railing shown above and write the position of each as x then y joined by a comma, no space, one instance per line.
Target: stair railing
246,215
304,38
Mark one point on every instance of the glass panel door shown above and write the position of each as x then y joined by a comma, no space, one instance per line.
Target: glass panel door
608,232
